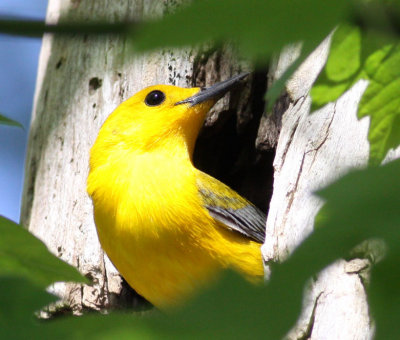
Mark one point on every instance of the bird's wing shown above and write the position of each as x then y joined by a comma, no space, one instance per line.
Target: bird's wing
229,208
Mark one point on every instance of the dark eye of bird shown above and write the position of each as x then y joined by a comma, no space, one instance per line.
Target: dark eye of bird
154,98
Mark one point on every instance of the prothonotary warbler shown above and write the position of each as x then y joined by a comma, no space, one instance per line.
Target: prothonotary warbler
166,226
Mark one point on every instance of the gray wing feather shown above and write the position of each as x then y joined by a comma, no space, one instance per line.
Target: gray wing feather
232,210
249,221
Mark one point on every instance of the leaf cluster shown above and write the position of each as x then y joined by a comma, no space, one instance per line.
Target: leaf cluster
360,206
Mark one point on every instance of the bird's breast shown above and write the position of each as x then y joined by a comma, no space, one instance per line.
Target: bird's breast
146,194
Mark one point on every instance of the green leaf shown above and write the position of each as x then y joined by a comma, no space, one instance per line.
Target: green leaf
23,255
233,308
342,67
113,326
344,58
374,57
19,299
7,121
384,297
381,101
364,204
259,27
361,205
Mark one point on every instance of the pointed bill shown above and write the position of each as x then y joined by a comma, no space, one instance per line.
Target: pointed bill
214,92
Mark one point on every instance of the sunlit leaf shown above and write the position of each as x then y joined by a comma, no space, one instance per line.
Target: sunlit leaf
355,56
344,58
342,68
381,101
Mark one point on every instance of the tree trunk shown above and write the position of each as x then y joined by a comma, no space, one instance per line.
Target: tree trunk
313,150
81,79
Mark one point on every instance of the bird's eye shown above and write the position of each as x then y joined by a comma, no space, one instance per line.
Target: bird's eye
154,98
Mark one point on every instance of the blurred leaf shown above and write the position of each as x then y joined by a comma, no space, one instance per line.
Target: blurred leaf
233,308
259,27
19,299
384,297
116,325
277,87
23,255
361,205
364,205
7,121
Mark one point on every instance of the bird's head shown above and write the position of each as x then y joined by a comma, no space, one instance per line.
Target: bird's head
162,116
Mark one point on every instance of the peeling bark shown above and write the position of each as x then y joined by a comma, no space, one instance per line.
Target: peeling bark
313,150
335,306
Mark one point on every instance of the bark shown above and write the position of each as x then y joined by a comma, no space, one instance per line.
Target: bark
81,79
313,150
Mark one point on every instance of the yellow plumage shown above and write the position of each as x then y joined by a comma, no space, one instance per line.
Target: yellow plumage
166,226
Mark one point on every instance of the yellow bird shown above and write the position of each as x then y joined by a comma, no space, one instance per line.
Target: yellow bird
166,226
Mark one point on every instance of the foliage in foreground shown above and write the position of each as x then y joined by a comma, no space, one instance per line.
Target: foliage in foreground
360,206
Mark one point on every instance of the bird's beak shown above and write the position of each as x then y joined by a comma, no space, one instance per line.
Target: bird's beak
214,92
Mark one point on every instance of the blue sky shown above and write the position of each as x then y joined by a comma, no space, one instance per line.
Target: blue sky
18,66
